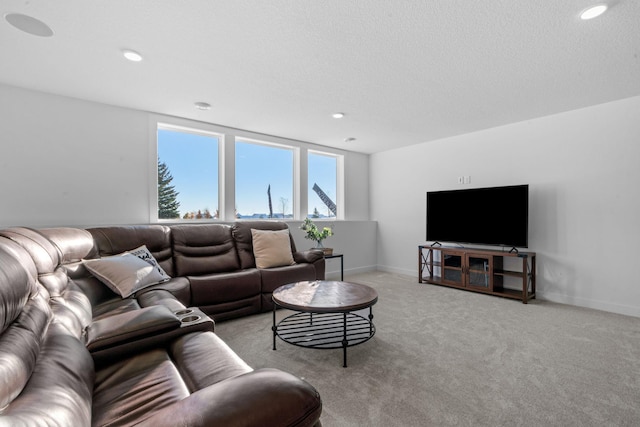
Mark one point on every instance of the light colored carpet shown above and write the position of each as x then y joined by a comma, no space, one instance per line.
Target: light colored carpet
444,357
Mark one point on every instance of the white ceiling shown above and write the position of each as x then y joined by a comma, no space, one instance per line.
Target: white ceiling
403,71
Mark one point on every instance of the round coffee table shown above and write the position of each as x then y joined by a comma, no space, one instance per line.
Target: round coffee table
324,315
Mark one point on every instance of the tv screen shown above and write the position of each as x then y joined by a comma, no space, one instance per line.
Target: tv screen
488,216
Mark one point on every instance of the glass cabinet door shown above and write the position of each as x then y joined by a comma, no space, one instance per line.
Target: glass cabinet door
480,269
452,269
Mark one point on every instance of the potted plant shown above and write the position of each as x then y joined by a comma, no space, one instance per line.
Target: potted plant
317,235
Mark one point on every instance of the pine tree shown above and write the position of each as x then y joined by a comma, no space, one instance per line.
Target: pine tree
168,203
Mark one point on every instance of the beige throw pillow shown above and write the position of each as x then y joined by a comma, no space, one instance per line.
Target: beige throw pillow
271,248
125,273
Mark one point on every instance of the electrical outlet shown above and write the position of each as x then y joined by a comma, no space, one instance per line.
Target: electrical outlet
467,179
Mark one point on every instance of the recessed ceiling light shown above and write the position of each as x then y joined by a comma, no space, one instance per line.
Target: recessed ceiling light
349,139
593,11
28,24
202,105
132,55
337,115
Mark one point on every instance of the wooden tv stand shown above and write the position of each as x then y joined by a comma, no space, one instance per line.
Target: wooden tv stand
479,270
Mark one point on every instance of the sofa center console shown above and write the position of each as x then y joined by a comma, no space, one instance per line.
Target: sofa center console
132,331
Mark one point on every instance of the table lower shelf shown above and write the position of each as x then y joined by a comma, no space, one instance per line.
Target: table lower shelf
325,330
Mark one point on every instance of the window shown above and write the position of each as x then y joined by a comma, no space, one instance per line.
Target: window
322,179
187,173
210,172
264,180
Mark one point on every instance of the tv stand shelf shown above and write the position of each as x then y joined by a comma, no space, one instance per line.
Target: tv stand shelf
479,270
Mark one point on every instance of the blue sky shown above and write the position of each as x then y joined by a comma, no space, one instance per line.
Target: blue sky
193,162
257,167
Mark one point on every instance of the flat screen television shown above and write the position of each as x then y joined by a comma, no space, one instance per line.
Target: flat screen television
487,216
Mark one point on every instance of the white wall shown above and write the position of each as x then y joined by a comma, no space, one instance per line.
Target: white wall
355,239
69,162
583,168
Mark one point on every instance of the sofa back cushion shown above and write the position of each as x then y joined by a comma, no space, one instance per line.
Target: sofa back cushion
46,256
73,244
203,249
44,253
76,285
17,281
118,239
46,373
24,319
244,239
69,304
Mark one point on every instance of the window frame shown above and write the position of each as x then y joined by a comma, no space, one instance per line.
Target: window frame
295,151
164,125
226,167
339,197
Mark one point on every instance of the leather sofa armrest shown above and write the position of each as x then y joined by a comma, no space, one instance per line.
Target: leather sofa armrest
133,331
129,326
308,257
265,397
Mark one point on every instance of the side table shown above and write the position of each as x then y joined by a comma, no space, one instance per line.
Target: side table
341,256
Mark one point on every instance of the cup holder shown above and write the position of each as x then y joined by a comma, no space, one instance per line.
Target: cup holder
184,312
190,319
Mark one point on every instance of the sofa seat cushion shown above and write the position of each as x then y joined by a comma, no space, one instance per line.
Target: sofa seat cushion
127,392
264,397
160,297
273,278
114,306
224,287
204,359
233,309
178,287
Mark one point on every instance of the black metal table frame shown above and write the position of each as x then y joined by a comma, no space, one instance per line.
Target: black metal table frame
331,329
341,256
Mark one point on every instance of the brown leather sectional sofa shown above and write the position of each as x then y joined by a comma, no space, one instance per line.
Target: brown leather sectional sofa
74,353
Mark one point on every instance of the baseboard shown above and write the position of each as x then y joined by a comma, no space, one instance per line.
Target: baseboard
553,297
587,303
404,272
335,274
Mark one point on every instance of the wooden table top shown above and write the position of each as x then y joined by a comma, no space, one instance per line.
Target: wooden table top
322,296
